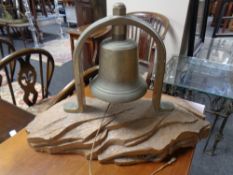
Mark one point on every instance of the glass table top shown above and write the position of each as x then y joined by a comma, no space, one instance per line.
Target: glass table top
200,75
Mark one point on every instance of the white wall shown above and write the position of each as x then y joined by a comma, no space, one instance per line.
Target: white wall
175,10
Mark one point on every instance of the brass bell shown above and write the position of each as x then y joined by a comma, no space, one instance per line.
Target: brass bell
118,80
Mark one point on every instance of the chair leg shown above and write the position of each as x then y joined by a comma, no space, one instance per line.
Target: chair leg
22,33
2,30
10,37
210,134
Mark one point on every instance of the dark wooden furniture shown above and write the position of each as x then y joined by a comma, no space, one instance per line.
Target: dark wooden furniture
92,43
41,12
19,158
12,118
42,6
229,13
222,18
27,76
13,23
21,30
230,27
5,49
215,8
89,11
15,29
66,1
195,28
146,45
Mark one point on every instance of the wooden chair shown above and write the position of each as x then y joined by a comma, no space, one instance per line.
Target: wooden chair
146,45
5,49
27,91
13,24
68,90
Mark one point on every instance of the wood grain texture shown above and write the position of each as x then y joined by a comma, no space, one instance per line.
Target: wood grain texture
129,132
19,158
12,118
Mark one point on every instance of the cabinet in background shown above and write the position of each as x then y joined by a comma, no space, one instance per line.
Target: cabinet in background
88,11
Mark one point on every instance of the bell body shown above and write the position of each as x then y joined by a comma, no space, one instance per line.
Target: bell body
118,80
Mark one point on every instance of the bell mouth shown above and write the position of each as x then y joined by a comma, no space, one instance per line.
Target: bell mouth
115,93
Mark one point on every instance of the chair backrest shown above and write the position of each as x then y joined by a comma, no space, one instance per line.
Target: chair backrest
27,73
5,49
146,44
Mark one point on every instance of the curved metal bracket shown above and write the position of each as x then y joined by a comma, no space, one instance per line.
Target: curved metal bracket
118,20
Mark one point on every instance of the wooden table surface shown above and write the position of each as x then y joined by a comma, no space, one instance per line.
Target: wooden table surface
17,157
12,118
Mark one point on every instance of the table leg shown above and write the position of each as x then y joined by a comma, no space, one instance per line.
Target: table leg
2,30
72,44
219,135
210,48
22,33
210,134
10,37
219,18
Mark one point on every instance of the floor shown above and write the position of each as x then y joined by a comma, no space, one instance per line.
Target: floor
203,164
221,162
62,74
217,50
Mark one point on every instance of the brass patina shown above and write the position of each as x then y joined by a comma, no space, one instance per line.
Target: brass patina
118,79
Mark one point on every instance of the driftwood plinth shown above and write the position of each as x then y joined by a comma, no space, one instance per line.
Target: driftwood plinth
128,133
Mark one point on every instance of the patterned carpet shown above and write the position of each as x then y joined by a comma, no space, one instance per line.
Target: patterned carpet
60,50
3,80
6,95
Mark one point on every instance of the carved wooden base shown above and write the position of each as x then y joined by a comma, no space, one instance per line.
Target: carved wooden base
129,133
